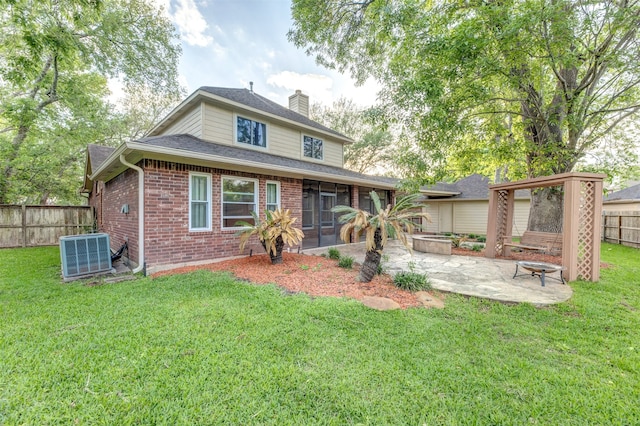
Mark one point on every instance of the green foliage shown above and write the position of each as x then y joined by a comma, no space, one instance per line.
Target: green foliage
57,57
481,239
382,266
278,226
373,150
334,253
195,348
346,262
477,247
411,280
457,240
524,87
393,221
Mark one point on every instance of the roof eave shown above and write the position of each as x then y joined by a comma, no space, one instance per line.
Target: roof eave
144,150
200,95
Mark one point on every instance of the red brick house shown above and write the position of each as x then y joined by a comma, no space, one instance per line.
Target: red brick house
176,194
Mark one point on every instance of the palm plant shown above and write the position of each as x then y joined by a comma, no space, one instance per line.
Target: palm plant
390,222
273,232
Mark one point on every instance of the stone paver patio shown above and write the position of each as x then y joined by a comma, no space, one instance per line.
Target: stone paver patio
467,275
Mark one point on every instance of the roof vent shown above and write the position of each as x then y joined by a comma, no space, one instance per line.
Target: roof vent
251,86
299,103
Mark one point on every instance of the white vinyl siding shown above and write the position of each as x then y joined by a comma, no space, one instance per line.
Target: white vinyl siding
190,123
219,126
470,217
199,202
239,199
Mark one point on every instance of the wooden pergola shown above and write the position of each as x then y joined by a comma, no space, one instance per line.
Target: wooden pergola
581,222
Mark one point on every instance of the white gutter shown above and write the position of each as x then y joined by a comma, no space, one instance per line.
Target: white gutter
140,213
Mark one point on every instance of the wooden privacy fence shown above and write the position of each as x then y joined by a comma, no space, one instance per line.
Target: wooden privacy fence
28,226
621,227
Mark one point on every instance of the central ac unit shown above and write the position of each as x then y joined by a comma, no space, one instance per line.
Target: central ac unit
86,254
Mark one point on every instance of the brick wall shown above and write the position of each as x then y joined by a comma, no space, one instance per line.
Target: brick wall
167,236
121,227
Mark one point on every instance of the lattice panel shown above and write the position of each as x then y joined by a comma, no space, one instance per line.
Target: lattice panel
586,231
501,228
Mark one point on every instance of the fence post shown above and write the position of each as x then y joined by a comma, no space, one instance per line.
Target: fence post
24,225
620,229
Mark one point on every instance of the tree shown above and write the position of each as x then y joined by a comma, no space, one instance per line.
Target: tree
56,57
542,81
373,145
388,222
274,232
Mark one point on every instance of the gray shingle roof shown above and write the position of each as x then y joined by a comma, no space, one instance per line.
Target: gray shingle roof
630,193
97,154
473,187
191,144
253,100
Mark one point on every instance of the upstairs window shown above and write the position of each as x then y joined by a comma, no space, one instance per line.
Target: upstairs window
251,132
312,147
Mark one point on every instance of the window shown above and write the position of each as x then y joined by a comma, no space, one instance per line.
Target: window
328,201
312,147
251,132
199,202
239,199
308,208
273,196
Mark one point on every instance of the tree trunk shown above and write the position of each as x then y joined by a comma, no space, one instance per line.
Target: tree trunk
372,259
546,212
276,258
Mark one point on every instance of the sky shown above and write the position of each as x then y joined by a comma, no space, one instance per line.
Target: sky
228,43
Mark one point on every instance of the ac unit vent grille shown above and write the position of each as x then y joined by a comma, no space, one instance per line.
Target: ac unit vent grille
85,254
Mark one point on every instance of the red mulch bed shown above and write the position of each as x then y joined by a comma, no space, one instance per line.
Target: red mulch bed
313,275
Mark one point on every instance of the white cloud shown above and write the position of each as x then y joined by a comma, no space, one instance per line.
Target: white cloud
317,86
191,24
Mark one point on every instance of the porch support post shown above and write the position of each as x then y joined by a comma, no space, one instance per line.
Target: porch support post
570,227
597,231
506,231
490,249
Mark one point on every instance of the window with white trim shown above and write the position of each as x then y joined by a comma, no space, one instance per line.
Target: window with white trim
251,132
239,199
273,196
199,202
312,147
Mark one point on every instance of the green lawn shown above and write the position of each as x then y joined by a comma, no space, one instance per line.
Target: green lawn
202,348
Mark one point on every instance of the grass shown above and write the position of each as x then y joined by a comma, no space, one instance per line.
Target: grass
203,348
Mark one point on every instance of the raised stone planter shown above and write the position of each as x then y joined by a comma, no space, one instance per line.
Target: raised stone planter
425,244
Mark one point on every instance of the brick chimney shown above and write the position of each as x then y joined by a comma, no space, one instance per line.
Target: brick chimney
299,103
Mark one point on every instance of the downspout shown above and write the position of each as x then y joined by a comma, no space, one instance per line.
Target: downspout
140,213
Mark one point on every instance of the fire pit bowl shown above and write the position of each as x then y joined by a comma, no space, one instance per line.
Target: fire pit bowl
539,269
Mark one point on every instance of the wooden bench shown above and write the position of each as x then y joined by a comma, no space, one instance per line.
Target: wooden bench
547,242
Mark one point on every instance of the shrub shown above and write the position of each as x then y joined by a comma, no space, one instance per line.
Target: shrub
334,253
472,236
381,267
346,262
274,232
457,241
411,280
481,239
477,247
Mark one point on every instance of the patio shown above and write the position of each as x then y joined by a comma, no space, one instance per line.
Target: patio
468,275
